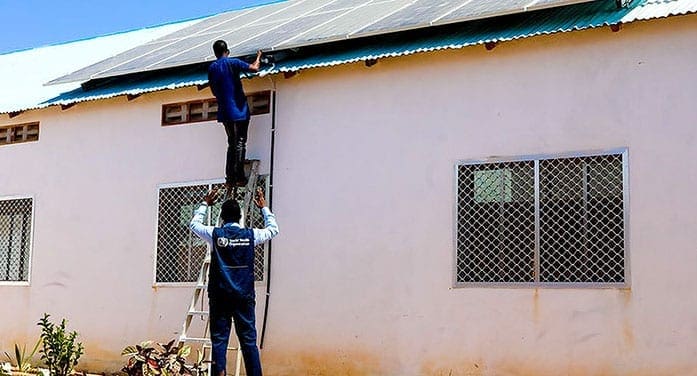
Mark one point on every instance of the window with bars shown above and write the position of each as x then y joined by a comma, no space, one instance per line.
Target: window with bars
15,239
543,221
207,109
180,253
14,134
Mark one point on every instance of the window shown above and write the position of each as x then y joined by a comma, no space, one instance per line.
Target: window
14,134
15,239
180,253
207,109
547,221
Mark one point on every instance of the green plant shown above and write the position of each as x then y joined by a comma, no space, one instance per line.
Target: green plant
4,371
22,359
147,360
60,351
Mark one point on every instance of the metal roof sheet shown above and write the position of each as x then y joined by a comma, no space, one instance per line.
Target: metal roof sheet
576,17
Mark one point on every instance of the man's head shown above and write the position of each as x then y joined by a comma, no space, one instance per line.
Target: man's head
230,212
220,49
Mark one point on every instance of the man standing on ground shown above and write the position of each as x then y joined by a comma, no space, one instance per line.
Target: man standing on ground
231,278
233,111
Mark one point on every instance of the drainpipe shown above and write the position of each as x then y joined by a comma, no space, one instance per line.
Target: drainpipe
268,272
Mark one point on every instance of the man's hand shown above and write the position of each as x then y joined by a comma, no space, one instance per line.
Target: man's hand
260,200
254,67
210,197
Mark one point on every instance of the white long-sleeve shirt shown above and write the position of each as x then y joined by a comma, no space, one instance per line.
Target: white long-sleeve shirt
260,235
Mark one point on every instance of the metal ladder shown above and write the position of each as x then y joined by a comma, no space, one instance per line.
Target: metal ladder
197,308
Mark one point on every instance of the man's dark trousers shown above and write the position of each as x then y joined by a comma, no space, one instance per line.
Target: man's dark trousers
242,313
236,150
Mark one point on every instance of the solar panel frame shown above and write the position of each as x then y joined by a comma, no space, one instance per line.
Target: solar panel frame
264,27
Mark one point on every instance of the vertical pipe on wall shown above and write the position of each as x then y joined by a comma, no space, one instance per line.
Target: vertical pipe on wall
268,260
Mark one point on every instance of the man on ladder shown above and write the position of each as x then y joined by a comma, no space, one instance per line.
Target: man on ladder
231,283
233,110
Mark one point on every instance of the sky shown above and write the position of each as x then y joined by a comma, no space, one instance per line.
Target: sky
35,23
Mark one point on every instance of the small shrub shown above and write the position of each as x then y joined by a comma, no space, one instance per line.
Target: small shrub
5,369
60,351
22,360
168,360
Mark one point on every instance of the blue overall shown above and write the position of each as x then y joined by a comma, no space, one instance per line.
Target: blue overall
231,296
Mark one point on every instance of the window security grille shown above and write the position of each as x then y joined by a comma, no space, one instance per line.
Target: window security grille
180,253
15,239
544,221
14,134
207,109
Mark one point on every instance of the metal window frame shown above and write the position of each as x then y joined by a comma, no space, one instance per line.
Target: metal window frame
536,158
208,182
30,258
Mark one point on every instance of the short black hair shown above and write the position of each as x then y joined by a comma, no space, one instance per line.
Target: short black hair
230,212
219,48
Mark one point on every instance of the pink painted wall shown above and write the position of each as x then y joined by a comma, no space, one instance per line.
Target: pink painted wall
362,279
363,191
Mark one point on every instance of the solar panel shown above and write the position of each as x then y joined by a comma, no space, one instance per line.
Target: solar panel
280,34
476,9
297,23
202,49
202,27
412,15
348,22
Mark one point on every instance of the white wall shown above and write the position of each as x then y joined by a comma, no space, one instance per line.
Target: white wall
363,191
94,176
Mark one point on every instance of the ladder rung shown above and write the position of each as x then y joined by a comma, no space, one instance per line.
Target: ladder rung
198,313
205,341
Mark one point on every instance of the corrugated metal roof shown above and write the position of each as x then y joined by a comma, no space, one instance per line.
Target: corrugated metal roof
131,87
576,17
23,73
